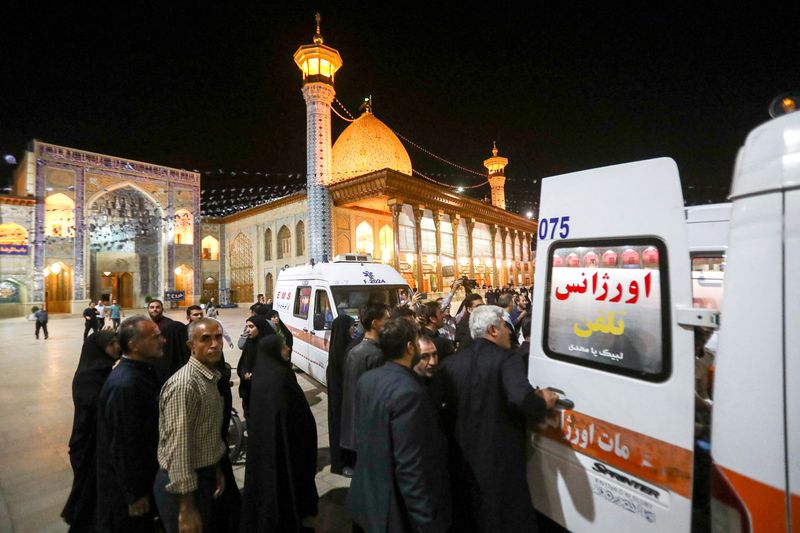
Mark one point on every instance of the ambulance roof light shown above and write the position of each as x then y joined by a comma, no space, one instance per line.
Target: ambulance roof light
353,258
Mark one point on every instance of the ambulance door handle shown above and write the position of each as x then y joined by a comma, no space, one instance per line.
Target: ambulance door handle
562,403
314,333
305,330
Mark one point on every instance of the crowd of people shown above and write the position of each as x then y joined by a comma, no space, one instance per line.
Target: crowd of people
425,409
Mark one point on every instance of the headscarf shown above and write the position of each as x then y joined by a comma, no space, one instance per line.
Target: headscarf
248,359
93,367
340,340
270,347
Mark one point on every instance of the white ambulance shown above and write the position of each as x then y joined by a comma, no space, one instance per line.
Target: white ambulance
308,298
613,329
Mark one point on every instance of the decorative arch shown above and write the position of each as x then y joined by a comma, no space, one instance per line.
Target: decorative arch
268,287
386,243
241,265
284,242
12,233
268,245
210,248
111,188
300,234
183,224
365,240
184,281
59,216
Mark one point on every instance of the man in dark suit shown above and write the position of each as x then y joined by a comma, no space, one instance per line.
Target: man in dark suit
400,481
127,432
486,399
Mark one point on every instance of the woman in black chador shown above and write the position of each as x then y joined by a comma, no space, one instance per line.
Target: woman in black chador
279,488
257,329
341,334
100,352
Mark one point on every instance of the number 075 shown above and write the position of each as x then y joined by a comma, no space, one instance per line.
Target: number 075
551,225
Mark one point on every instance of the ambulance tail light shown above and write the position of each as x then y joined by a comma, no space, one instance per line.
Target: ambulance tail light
728,512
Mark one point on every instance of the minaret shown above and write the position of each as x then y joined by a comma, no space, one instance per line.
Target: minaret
318,63
497,179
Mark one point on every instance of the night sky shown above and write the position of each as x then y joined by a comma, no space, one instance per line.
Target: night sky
559,88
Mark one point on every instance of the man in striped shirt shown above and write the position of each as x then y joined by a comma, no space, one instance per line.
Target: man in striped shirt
190,443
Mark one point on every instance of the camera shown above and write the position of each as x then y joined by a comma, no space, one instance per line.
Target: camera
469,284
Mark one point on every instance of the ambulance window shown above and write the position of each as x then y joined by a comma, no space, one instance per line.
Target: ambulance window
708,279
302,301
611,314
322,310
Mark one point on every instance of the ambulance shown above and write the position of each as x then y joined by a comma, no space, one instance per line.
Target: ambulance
613,334
308,299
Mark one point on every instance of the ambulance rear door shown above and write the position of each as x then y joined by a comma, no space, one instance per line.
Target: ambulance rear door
612,269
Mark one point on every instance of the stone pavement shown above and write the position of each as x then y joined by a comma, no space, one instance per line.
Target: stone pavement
36,420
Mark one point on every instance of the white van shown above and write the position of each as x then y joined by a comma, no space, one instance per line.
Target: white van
308,298
613,329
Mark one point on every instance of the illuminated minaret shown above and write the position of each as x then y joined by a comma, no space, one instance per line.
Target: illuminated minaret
318,63
497,179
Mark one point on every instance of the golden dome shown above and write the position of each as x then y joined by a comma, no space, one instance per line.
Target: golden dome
367,145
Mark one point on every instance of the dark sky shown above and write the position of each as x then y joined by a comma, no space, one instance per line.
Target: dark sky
560,88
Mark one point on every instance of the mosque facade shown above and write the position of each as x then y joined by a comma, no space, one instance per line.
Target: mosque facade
362,197
81,226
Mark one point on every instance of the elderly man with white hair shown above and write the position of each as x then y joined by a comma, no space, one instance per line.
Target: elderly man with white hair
486,400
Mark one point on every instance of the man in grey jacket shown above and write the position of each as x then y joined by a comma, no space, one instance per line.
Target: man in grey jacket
361,357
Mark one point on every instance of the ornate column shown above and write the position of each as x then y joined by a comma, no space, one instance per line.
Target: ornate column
455,220
38,236
503,235
318,64
78,281
470,227
319,162
493,234
171,243
437,222
223,253
197,250
396,206
418,214
514,265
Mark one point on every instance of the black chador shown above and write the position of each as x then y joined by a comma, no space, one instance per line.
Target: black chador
279,487
93,368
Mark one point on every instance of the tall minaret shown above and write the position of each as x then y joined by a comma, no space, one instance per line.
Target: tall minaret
497,179
318,63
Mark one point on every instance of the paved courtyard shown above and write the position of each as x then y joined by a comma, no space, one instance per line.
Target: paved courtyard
36,421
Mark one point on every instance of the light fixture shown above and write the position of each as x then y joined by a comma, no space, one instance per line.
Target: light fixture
409,258
463,261
429,259
460,189
106,273
476,261
529,214
55,268
178,271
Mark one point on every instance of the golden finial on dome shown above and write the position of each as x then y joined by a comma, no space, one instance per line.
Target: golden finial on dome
318,35
494,148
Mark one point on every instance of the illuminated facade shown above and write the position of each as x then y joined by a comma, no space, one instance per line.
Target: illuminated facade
82,226
429,233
